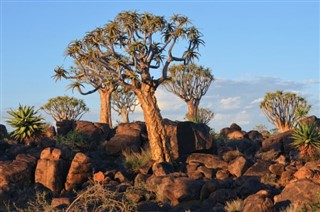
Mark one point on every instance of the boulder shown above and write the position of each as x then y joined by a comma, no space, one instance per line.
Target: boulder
208,160
16,173
276,169
235,135
279,143
246,185
175,187
63,127
51,169
50,132
298,193
187,137
235,127
238,166
258,202
128,136
245,146
162,169
220,196
254,135
311,170
3,131
79,171
93,132
259,169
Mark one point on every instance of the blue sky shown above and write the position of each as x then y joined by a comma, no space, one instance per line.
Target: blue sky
252,47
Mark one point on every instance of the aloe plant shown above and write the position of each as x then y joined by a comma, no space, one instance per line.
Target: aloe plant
27,124
307,139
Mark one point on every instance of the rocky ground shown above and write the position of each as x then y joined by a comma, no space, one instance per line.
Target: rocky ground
234,170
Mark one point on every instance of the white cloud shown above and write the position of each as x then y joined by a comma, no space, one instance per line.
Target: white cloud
230,103
257,101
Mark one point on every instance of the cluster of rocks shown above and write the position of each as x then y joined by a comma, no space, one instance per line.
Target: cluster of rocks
265,173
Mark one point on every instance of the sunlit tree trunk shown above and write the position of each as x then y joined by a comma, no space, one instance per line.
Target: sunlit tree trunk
125,115
159,144
105,107
192,110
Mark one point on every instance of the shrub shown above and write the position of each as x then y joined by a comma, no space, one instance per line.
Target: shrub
307,140
97,197
135,160
234,205
28,125
74,140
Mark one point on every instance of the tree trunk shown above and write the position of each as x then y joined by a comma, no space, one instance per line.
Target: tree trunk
282,126
125,115
192,111
159,144
105,107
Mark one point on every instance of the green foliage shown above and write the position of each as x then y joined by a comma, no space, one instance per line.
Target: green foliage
135,160
74,140
65,108
204,116
307,140
27,124
97,197
284,110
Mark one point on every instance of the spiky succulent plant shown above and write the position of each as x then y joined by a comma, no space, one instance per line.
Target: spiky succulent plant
307,139
26,123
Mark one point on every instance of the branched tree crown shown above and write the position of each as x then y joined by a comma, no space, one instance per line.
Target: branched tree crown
189,82
284,110
65,108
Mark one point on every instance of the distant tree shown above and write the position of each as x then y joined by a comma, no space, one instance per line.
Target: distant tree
204,115
260,128
124,102
284,110
130,48
89,70
65,108
190,83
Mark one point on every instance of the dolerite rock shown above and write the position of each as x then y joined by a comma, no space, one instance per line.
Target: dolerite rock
3,131
162,169
187,137
238,166
258,202
299,193
175,188
280,142
128,136
254,135
63,127
208,160
311,170
79,171
17,173
93,132
51,169
235,135
50,132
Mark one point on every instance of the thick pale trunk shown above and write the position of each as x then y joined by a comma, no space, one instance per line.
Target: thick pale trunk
125,115
192,111
159,144
282,127
105,107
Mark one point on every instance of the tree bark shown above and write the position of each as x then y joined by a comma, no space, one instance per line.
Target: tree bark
105,107
125,115
159,144
282,126
192,111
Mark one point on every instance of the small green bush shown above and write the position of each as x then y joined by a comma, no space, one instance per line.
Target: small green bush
27,123
307,140
74,140
135,160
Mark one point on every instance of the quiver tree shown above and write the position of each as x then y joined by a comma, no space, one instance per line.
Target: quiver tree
65,108
89,70
131,48
204,115
189,82
124,102
284,110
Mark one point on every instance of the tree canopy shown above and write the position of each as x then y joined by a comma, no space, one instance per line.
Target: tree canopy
284,110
